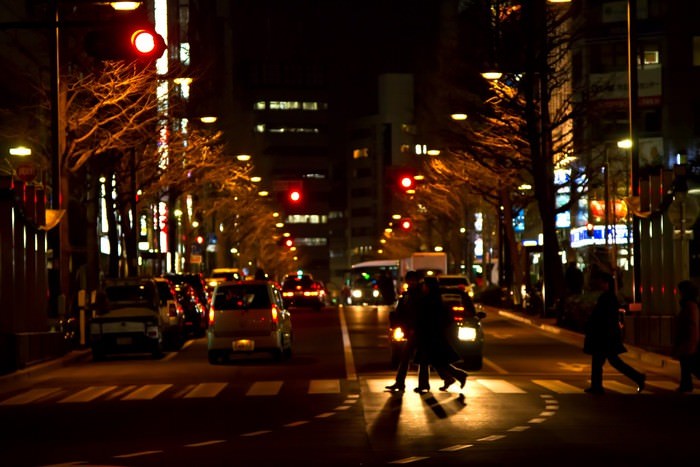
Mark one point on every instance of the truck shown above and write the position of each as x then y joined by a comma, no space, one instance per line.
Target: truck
425,263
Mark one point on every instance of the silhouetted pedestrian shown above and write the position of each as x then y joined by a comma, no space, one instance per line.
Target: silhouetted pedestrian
687,336
603,339
432,345
405,316
387,288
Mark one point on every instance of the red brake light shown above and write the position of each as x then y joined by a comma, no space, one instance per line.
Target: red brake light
275,317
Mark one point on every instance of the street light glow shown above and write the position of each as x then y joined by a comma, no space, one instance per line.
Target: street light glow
20,151
625,144
492,75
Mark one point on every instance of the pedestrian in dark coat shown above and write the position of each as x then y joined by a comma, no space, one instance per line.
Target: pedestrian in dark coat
405,315
432,345
603,339
687,337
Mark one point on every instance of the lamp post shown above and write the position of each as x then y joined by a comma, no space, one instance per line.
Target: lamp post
633,111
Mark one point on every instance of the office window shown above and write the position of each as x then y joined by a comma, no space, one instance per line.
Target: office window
360,153
260,105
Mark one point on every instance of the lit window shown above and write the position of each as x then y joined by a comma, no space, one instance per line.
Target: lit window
310,105
260,105
260,128
360,153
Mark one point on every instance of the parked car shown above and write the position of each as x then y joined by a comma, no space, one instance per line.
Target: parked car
127,318
195,312
246,317
302,291
466,334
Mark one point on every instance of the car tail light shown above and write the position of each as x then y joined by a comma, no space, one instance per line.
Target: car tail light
397,335
212,315
287,294
275,315
172,310
311,294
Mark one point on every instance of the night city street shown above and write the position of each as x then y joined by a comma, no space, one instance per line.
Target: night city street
526,406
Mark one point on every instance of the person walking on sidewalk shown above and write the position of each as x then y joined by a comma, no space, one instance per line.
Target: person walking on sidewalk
432,346
405,316
687,336
603,337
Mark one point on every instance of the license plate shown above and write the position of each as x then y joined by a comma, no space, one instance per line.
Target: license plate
244,345
124,341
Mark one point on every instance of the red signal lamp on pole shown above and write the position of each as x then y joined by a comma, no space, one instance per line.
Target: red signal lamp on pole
406,224
295,196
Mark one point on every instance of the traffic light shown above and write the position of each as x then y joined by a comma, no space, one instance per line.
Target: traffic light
407,182
289,242
406,224
125,42
294,195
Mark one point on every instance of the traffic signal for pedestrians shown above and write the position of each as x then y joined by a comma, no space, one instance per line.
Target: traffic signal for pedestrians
125,42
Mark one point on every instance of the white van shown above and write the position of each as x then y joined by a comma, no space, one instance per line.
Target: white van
247,317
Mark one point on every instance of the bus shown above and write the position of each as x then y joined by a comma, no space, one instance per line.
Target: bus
372,283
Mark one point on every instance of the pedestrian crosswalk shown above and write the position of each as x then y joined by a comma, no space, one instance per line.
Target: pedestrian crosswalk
475,387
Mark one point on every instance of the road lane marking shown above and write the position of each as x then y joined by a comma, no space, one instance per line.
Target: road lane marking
137,454
205,443
265,388
620,387
557,386
256,433
518,429
350,371
456,447
500,386
491,438
147,392
88,394
33,395
324,386
299,423
205,390
325,415
494,366
408,460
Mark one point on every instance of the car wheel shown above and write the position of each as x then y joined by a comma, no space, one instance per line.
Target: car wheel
213,356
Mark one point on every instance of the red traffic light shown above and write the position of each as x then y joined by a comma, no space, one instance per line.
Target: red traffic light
406,224
125,42
144,42
295,196
406,182
289,242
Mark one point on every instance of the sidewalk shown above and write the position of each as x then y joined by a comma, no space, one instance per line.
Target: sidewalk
26,375
655,362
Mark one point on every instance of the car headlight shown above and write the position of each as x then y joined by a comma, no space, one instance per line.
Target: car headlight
466,333
356,293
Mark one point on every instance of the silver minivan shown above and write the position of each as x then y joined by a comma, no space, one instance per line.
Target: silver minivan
247,317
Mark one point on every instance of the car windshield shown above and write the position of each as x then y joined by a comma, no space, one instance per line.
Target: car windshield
239,296
452,281
127,295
